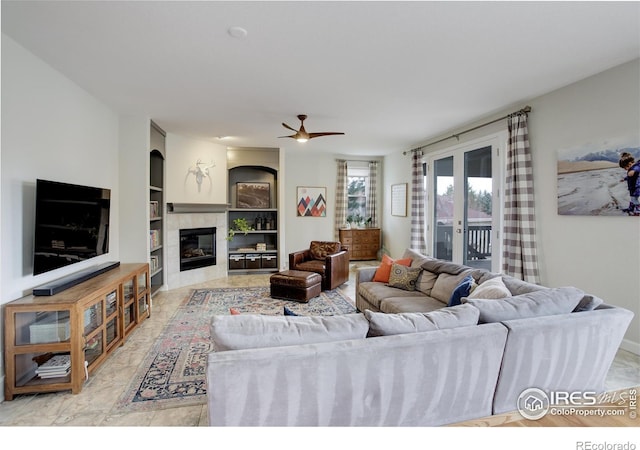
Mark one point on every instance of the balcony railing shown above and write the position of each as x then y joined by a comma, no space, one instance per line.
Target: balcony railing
478,242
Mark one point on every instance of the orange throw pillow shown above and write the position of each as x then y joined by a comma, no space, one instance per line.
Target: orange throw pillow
384,270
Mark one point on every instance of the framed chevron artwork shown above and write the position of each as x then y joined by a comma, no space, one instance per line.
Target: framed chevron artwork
312,201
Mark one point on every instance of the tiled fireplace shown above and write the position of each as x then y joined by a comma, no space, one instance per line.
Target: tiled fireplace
197,248
202,242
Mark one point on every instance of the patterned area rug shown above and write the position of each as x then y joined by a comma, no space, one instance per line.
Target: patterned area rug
173,373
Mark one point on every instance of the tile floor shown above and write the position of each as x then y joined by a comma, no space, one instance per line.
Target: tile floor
95,405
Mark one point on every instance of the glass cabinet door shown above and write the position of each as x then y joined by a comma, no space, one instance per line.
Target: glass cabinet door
112,303
92,317
128,291
142,282
42,327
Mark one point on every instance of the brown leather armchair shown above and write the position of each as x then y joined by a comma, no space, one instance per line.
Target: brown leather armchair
329,259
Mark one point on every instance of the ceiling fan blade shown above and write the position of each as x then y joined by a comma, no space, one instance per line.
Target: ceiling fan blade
294,136
288,127
313,135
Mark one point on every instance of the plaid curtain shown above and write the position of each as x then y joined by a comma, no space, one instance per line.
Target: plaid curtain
371,195
341,197
417,203
519,240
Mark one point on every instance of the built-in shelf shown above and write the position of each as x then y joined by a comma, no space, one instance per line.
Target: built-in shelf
156,196
254,251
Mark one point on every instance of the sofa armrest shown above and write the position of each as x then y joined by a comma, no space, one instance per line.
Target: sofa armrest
565,352
336,269
296,258
364,274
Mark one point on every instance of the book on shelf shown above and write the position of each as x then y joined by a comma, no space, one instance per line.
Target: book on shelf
153,209
56,366
154,238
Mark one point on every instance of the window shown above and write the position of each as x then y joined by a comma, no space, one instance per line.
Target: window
357,188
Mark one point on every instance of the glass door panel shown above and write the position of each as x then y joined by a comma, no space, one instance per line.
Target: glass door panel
478,201
463,207
443,208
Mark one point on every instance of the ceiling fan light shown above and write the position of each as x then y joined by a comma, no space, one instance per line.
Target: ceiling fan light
301,139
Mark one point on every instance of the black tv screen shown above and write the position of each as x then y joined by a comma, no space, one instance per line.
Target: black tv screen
72,224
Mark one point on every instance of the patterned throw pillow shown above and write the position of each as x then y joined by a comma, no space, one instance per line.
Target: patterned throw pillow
322,249
384,269
404,277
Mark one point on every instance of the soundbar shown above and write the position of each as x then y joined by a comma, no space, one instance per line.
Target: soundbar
64,283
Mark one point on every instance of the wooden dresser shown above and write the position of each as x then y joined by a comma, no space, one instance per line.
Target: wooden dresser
363,243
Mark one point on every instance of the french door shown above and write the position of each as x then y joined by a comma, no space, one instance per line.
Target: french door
463,204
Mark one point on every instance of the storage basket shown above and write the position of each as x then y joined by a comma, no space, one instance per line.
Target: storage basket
236,261
252,261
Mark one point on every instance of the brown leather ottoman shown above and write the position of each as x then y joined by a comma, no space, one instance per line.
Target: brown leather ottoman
296,285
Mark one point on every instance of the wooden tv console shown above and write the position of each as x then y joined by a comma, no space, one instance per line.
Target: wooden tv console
83,325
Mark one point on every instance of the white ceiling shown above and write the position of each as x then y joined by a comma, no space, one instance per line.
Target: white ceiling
390,75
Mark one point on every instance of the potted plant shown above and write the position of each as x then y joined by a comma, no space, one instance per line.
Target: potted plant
239,225
350,220
359,220
369,222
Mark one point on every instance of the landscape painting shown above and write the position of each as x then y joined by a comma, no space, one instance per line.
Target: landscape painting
253,195
591,181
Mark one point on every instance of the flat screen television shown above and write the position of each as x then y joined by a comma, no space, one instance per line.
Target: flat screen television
71,225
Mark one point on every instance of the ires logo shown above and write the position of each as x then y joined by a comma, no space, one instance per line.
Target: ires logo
534,403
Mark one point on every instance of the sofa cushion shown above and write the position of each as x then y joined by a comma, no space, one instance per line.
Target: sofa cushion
518,287
588,303
384,269
322,249
403,277
463,289
374,292
546,302
491,289
259,331
382,324
440,266
445,284
313,265
425,281
417,258
416,303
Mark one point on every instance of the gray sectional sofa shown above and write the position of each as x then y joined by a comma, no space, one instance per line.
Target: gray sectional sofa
408,359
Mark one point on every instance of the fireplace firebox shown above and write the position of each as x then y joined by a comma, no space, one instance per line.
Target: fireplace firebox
197,248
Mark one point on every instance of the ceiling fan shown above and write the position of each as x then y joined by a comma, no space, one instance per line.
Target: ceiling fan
302,135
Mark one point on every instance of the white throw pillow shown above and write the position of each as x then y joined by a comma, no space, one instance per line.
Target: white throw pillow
493,288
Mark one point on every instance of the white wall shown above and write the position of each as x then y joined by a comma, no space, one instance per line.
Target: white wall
182,155
133,171
397,169
298,172
300,231
598,254
51,129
